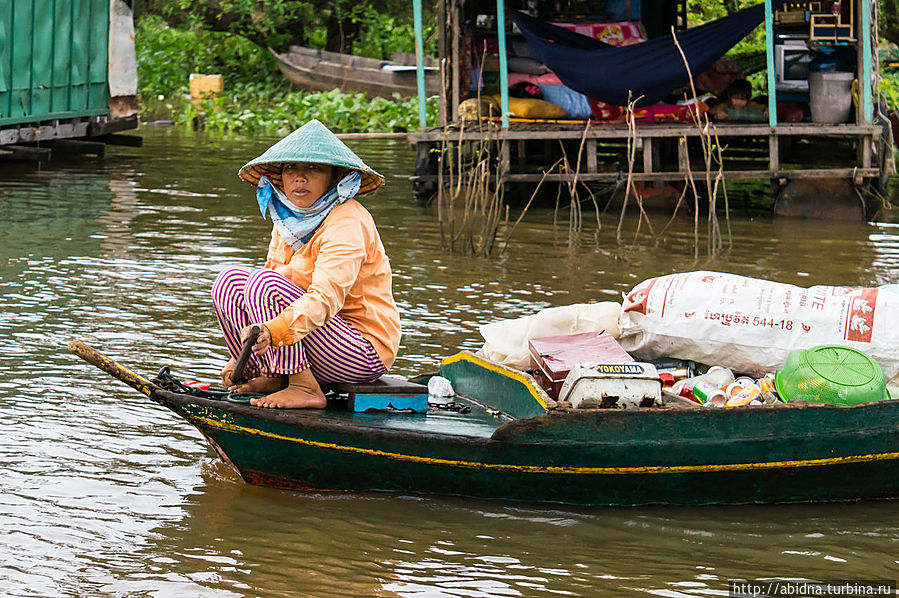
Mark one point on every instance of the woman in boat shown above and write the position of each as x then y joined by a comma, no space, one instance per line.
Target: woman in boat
323,301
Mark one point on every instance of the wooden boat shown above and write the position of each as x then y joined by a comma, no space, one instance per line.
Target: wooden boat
516,444
319,70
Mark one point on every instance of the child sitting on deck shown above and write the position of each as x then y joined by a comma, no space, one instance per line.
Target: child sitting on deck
323,301
738,104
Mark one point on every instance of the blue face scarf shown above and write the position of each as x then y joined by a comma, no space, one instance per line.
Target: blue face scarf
296,225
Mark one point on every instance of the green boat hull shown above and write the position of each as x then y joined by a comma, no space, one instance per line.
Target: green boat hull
802,454
670,455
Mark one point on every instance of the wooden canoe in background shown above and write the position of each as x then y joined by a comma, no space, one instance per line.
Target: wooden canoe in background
319,70
516,444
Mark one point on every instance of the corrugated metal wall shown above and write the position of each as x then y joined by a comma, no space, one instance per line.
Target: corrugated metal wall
53,59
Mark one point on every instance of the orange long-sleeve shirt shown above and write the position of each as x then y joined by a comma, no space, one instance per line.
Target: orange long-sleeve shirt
345,271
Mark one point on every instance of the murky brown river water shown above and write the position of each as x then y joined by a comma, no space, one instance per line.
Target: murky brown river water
104,493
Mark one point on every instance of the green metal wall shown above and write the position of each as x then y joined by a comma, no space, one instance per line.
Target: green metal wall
53,59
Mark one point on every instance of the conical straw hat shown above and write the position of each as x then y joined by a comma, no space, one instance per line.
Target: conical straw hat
312,142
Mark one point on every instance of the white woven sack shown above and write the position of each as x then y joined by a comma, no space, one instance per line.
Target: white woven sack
751,325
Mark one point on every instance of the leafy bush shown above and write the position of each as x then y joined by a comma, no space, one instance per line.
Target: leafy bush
283,112
256,96
889,89
167,56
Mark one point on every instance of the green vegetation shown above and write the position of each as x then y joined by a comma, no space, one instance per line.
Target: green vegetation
256,97
889,89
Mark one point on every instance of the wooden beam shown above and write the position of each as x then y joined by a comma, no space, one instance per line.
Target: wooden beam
96,129
27,152
77,146
126,140
846,173
619,131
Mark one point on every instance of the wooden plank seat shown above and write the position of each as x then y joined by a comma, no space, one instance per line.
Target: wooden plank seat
384,393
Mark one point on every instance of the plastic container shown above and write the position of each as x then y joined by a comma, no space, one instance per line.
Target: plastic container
612,385
717,375
830,96
825,61
831,374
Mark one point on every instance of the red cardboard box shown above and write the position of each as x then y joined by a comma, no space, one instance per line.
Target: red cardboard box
553,356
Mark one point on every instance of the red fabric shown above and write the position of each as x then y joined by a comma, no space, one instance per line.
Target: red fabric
603,111
792,113
667,113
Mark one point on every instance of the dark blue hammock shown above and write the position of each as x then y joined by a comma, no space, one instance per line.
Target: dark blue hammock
649,70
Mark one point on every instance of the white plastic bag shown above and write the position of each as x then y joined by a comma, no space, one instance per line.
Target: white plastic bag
438,386
506,341
750,325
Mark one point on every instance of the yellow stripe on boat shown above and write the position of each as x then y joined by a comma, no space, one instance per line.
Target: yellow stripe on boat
550,470
525,379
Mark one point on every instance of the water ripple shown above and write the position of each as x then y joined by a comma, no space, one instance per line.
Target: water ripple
106,493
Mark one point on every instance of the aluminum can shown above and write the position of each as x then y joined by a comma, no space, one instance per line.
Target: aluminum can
709,395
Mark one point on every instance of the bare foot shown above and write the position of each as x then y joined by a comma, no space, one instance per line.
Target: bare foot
262,384
302,392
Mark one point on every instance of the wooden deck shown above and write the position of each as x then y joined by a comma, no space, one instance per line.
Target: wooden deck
769,160
81,135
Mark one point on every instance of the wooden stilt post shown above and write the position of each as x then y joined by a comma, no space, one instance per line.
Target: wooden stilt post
769,52
591,155
420,63
442,60
683,156
455,70
773,154
503,61
647,155
866,64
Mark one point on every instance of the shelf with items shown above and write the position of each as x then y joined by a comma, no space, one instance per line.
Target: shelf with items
826,28
796,13
825,21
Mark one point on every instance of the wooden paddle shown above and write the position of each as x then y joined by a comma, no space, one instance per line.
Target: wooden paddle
245,352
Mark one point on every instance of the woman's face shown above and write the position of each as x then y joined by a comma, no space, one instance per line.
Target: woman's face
305,182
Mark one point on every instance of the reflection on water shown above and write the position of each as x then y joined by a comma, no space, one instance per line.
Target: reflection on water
105,493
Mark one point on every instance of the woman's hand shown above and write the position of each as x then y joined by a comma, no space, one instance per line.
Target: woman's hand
227,373
263,341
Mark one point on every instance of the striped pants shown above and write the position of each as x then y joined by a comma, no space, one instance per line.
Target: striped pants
336,352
